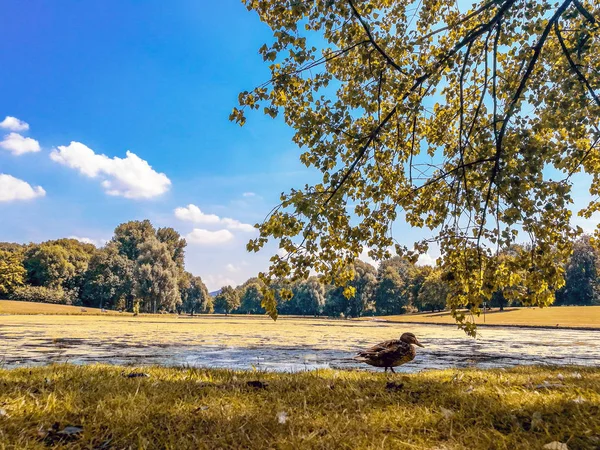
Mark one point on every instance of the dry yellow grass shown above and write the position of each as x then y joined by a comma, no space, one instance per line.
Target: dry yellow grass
522,408
563,316
27,308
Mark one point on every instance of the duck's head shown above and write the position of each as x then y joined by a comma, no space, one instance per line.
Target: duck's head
410,338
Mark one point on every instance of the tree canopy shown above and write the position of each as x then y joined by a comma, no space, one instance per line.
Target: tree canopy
471,123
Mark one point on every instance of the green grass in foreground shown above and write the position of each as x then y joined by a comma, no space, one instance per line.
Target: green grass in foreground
526,407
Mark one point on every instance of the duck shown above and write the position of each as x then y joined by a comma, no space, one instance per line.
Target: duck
392,353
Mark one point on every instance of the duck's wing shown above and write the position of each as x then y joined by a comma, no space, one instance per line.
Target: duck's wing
379,351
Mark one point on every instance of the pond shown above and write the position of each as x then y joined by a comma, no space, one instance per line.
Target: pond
239,342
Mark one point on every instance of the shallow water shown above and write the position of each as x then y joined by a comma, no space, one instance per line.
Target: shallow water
324,344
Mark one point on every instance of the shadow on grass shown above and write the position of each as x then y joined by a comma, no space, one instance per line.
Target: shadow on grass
203,408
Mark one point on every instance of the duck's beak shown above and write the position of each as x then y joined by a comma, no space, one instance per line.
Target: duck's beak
419,344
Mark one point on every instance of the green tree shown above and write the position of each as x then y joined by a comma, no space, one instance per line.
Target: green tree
108,280
194,294
175,243
448,119
12,272
227,300
581,286
251,297
434,292
129,236
391,293
418,276
48,265
309,297
156,277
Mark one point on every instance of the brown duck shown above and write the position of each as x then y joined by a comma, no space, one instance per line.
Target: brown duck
391,353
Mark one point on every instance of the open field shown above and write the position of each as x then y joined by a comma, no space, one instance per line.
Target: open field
561,316
522,408
15,307
290,344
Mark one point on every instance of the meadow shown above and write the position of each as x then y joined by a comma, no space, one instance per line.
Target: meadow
87,379
107,407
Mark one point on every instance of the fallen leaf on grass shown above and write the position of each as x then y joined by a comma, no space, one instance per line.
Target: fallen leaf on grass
201,408
3,413
282,417
579,399
447,413
136,375
52,435
556,446
257,384
393,386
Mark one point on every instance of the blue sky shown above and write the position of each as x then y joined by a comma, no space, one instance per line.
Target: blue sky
158,80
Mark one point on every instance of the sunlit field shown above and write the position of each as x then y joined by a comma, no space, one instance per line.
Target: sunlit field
559,316
15,307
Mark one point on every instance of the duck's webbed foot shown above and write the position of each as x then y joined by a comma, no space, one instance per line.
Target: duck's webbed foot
392,369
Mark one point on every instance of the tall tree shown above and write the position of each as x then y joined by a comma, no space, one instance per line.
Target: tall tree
48,265
251,297
175,243
434,293
131,235
448,118
391,295
12,272
227,300
309,297
194,294
109,280
156,277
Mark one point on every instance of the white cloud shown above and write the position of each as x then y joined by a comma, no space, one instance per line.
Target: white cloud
19,145
14,124
206,237
231,268
191,213
129,177
248,194
214,282
426,260
85,240
12,188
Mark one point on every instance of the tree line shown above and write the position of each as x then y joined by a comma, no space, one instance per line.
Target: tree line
141,269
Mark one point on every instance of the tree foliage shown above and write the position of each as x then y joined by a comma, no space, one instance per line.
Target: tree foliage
12,272
227,300
450,119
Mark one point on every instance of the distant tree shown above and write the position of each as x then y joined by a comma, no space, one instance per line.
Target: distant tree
194,294
418,276
581,277
175,243
109,280
12,272
156,277
131,235
48,265
309,297
227,300
78,254
434,292
364,284
391,294
251,297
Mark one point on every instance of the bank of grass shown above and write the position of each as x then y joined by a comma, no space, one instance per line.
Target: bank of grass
526,407
555,317
13,307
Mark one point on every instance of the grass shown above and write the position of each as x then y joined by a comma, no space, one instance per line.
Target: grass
30,308
522,408
563,316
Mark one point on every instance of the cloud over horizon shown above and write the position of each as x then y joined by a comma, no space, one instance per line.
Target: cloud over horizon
206,237
192,213
12,188
129,177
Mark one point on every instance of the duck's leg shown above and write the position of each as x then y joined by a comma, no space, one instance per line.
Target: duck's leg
392,369
385,370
